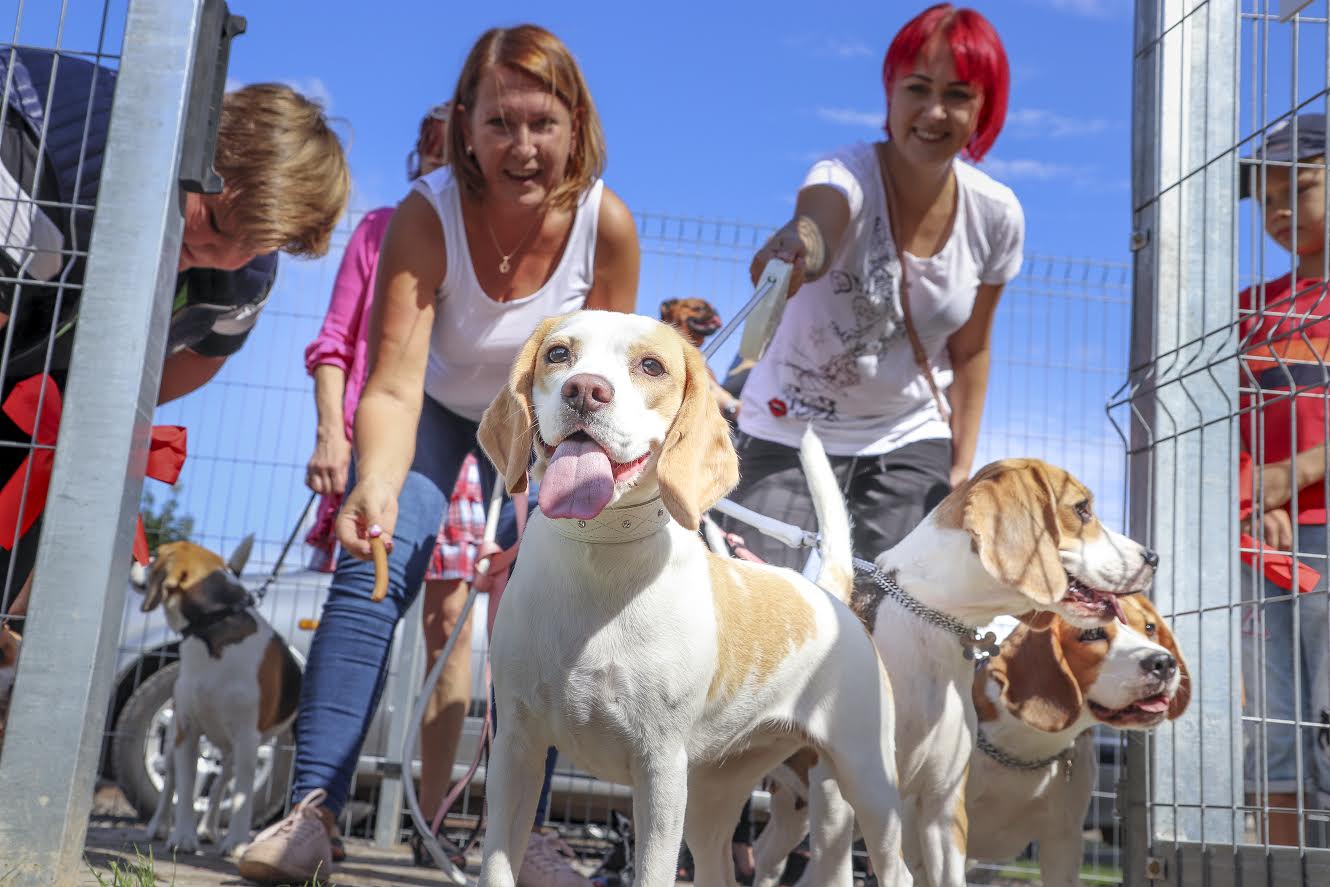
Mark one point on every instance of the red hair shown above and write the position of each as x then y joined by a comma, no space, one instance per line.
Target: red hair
977,52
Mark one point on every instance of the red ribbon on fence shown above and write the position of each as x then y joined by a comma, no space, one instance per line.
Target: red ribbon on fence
166,455
37,394
1276,566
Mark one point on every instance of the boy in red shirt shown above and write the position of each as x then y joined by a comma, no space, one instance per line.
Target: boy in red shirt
1285,328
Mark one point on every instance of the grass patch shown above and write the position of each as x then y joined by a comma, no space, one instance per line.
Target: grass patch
1090,874
141,871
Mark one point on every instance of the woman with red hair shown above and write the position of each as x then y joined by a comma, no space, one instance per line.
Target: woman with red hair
901,249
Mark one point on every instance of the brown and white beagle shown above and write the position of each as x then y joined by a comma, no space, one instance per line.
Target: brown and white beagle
1033,773
238,685
10,642
697,320
1020,537
628,645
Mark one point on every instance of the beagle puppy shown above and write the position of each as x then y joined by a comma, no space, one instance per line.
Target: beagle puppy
1035,768
1020,537
628,645
698,321
238,685
10,641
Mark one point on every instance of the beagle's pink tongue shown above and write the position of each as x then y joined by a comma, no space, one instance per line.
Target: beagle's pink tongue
1154,704
579,481
1117,609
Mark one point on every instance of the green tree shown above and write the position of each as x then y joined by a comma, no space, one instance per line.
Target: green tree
165,523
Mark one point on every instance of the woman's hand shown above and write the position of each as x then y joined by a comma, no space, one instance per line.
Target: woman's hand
327,468
371,503
788,246
959,475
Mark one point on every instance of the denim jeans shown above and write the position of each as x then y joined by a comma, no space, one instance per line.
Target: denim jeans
348,657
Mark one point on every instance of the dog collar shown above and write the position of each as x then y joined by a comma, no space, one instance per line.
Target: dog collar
205,622
972,642
626,524
1067,756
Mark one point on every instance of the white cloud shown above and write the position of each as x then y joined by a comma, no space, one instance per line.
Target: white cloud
852,117
1037,170
834,47
1041,122
1089,8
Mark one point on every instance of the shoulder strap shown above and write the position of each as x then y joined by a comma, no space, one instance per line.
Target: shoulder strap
920,356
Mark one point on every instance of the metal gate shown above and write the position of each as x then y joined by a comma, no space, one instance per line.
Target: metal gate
1228,794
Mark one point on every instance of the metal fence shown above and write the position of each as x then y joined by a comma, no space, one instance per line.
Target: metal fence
1060,346
1228,362
1059,351
56,257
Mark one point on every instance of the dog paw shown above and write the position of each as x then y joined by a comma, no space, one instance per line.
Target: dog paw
186,843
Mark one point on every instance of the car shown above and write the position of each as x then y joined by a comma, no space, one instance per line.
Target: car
136,748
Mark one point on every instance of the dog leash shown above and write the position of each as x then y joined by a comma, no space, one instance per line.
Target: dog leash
972,642
290,540
774,283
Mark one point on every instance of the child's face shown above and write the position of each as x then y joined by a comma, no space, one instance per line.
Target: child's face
1279,199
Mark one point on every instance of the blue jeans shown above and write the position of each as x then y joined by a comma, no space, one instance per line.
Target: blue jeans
348,657
1286,675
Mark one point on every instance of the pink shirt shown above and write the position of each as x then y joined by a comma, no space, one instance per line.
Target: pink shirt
341,340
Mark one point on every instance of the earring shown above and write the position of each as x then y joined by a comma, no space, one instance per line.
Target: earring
470,151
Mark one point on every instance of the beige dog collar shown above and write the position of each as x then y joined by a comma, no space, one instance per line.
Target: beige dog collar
627,524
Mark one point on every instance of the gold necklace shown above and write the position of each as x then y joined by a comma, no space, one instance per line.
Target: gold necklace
504,265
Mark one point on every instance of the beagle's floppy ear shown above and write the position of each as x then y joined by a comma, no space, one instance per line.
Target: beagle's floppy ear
697,464
1011,515
508,428
1037,684
159,572
1165,638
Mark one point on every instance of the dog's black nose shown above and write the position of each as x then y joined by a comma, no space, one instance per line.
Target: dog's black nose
586,392
1162,665
1151,557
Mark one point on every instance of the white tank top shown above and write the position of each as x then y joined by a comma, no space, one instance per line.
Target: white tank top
475,339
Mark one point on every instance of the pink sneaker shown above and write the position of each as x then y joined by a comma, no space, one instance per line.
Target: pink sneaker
548,863
294,850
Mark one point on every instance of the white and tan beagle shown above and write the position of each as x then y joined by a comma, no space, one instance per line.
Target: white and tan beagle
1035,768
10,642
1020,537
238,685
628,645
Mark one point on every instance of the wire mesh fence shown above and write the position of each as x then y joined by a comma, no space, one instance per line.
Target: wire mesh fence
1059,350
1225,411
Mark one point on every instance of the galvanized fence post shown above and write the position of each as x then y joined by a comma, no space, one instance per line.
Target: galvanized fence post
1184,785
64,678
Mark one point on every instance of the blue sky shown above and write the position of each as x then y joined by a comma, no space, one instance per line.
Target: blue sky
717,109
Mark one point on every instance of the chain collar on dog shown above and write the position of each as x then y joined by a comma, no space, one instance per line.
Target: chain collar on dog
626,524
972,642
1067,756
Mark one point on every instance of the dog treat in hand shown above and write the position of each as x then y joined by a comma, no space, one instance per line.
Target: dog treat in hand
380,551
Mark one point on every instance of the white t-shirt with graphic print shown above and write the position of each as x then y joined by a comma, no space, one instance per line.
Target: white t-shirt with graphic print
841,356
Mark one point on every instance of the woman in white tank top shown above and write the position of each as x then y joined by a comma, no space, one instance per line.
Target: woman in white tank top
518,228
